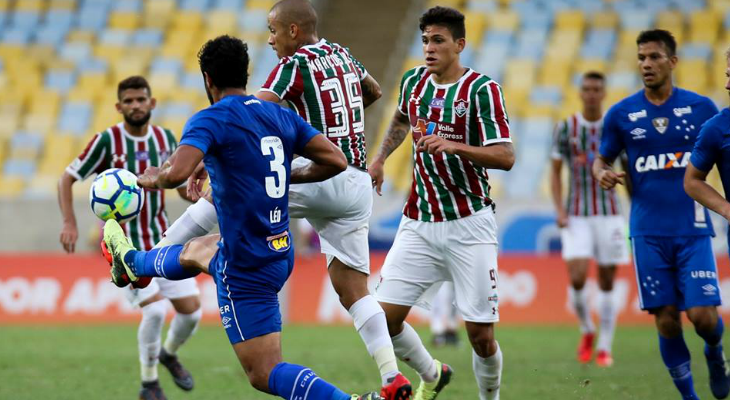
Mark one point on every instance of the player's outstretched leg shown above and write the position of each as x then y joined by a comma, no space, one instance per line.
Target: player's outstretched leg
369,319
291,381
709,325
674,351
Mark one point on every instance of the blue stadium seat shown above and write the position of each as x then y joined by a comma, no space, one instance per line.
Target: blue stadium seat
60,80
635,18
416,49
16,36
267,61
484,6
25,19
127,5
530,44
177,110
62,19
598,44
115,37
532,151
147,38
93,17
26,142
51,35
695,50
93,65
253,21
686,6
541,21
546,95
166,65
191,80
233,5
624,79
19,168
77,52
74,118
194,5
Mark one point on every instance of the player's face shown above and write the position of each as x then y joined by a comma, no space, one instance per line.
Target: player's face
440,49
592,92
655,64
727,76
281,38
136,106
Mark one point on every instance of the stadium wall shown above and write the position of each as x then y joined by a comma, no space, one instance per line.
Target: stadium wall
61,289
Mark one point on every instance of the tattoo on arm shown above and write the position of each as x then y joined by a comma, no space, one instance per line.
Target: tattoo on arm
397,132
370,91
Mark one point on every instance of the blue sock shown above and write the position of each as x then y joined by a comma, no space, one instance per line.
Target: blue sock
713,339
160,262
677,359
290,381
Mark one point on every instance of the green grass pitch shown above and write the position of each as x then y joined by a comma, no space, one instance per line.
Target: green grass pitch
100,362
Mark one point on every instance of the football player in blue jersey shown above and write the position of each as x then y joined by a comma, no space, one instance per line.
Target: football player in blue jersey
247,146
712,148
670,232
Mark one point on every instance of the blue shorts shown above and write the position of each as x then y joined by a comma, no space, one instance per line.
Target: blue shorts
248,298
679,271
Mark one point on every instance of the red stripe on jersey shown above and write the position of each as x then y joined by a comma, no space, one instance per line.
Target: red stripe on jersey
593,181
160,135
118,158
499,114
460,122
411,207
275,72
461,201
412,105
144,214
432,200
88,147
473,178
576,172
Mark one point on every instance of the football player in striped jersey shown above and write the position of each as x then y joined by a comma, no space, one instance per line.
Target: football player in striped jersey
591,225
135,144
448,231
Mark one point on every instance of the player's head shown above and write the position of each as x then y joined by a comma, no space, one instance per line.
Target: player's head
135,101
292,24
444,36
592,89
657,57
727,70
224,64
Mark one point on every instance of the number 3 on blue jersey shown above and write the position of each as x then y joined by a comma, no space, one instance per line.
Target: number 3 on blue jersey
275,187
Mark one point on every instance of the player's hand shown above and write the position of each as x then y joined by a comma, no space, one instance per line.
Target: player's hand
608,178
435,144
376,174
562,219
69,235
196,182
148,180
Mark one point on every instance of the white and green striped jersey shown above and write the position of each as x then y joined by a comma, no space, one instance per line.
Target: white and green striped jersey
116,148
470,111
576,141
322,83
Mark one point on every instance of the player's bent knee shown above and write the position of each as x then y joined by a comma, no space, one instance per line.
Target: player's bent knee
259,379
704,319
186,305
481,336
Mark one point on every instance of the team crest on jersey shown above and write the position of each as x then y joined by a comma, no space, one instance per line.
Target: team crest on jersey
437,102
461,107
142,155
279,243
660,124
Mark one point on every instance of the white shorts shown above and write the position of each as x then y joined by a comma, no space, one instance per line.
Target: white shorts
425,254
338,209
168,289
602,237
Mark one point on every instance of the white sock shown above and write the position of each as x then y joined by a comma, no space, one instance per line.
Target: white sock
409,349
369,320
181,328
197,220
148,338
580,305
607,312
488,372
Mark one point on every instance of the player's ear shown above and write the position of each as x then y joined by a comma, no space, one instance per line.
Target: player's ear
460,45
293,31
673,60
206,80
118,106
153,103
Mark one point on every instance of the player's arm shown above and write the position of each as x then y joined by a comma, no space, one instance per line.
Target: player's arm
370,91
603,171
69,232
327,161
397,131
556,190
696,186
627,176
500,155
611,146
175,171
268,96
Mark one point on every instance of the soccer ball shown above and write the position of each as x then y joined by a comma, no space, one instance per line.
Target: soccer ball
115,195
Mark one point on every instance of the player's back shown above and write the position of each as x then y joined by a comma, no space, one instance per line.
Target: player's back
321,82
658,141
249,145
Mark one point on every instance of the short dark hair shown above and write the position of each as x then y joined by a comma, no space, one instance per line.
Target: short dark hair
595,75
450,18
225,60
661,36
133,82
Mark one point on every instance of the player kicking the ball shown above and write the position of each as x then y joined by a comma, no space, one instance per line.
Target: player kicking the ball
134,145
591,225
327,87
670,232
448,232
247,145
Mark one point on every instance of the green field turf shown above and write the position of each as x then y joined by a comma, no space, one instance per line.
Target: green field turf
101,363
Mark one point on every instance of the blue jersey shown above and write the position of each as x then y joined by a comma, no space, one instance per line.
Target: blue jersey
713,147
658,141
248,146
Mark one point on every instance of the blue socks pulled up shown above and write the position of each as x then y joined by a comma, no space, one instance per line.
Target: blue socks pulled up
160,262
291,381
676,357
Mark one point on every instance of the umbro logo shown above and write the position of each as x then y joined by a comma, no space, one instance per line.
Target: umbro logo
638,133
709,289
